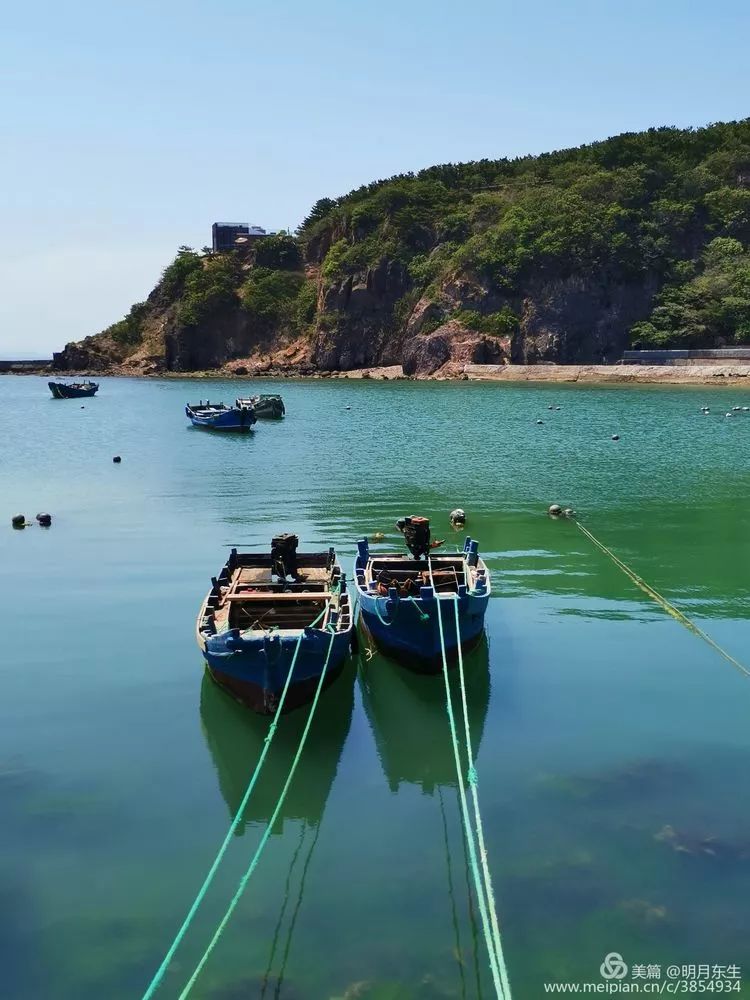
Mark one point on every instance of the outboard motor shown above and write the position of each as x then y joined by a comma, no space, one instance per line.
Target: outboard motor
284,556
416,532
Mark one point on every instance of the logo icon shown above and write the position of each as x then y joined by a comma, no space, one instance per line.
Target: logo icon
613,966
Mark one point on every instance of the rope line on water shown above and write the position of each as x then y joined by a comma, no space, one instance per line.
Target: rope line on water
473,780
663,602
492,941
161,971
267,833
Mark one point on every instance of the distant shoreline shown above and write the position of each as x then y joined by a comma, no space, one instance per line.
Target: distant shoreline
706,374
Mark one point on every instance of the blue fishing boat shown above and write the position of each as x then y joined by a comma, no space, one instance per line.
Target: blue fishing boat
220,417
261,609
73,390
400,596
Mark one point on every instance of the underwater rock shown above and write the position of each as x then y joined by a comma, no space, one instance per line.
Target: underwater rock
638,779
698,846
643,910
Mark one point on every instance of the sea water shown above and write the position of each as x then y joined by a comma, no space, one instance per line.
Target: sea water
612,745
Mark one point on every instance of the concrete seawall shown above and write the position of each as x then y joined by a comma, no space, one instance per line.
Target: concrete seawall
726,374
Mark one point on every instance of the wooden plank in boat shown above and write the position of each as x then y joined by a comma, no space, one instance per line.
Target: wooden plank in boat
272,598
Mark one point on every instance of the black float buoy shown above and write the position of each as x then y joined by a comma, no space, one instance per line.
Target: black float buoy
117,459
554,510
18,521
540,421
615,437
44,519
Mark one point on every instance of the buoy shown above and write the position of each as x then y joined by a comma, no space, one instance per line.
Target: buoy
555,510
18,521
746,408
540,421
347,407
558,407
728,414
117,459
457,516
736,407
615,437
377,536
550,407
44,519
569,512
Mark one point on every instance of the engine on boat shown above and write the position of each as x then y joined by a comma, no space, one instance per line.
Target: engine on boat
416,532
284,556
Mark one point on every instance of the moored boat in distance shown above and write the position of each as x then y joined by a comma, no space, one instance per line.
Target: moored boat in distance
399,594
220,417
267,407
264,608
73,390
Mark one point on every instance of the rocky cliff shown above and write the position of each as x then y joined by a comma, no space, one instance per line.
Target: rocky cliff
566,258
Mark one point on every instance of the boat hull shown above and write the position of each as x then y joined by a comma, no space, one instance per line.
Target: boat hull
254,670
415,643
222,420
61,391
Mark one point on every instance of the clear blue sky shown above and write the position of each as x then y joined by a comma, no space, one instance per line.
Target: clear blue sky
128,128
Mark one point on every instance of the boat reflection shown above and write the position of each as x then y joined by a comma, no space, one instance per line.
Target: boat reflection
235,739
409,721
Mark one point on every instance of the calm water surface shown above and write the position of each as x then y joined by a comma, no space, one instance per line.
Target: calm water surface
612,743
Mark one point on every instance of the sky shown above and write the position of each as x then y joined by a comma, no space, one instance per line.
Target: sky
128,128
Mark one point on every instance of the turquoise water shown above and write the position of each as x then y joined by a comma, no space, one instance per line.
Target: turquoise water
612,743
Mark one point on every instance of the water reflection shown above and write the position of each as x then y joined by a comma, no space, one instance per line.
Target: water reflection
235,736
409,721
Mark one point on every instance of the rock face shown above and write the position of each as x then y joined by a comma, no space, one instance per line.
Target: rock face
579,321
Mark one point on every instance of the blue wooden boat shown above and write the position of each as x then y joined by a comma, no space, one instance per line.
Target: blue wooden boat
220,417
399,594
73,390
260,608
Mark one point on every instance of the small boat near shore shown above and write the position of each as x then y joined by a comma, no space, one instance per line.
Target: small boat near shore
266,407
399,594
220,417
73,390
265,607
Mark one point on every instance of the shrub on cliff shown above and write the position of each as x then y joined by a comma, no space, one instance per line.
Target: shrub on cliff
278,251
128,332
712,307
276,298
209,287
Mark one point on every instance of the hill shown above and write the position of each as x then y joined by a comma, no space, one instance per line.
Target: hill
640,240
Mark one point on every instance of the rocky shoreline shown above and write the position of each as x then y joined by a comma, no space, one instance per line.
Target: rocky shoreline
706,374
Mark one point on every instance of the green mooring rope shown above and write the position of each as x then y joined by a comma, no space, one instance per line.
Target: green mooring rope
663,602
256,857
161,971
484,899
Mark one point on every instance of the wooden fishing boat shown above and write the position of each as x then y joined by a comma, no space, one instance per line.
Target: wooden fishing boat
220,417
73,390
399,594
268,407
260,608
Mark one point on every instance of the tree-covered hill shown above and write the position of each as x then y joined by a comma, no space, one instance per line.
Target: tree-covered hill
571,256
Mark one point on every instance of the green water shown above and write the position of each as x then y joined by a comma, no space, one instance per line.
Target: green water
598,719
